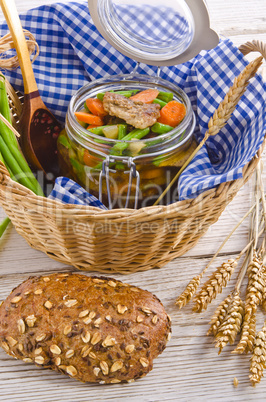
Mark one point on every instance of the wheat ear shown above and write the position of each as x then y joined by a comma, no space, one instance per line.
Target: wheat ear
231,323
214,285
258,359
222,114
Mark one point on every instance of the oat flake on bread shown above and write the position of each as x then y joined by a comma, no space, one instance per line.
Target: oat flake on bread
94,329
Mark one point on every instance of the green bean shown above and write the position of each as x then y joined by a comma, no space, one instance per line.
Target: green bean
62,139
160,102
165,96
135,134
122,131
5,131
14,160
159,159
160,128
3,225
86,107
13,165
127,94
98,130
78,167
100,95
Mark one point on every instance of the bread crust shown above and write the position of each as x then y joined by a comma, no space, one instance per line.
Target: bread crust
94,329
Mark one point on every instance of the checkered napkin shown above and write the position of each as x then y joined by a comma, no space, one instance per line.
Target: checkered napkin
72,52
69,192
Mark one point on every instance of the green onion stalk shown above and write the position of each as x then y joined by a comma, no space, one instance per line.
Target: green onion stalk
10,154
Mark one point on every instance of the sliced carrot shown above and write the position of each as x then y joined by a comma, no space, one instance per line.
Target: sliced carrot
89,118
95,106
172,113
91,160
146,96
91,126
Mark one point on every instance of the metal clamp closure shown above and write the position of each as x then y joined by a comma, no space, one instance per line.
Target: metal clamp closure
105,174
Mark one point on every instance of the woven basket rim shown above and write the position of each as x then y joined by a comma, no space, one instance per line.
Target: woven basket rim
121,214
149,211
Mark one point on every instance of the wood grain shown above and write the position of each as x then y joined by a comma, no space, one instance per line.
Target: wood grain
190,368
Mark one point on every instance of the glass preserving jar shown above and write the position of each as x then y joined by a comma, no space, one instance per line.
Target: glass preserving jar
125,173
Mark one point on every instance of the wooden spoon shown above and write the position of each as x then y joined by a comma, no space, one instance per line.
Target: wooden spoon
39,128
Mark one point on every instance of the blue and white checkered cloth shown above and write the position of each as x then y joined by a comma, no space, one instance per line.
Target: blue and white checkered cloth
69,192
72,52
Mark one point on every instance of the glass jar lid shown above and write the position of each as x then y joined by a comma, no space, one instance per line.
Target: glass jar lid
155,32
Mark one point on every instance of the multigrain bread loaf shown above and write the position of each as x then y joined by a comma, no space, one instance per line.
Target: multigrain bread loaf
94,329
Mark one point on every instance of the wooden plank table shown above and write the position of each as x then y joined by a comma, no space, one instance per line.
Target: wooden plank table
190,368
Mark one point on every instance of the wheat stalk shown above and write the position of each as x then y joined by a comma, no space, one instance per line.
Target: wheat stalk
193,285
222,114
258,359
256,281
227,320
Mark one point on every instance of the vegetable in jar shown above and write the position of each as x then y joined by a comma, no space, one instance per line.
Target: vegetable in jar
140,123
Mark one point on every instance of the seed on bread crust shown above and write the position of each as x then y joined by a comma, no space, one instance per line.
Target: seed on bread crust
38,351
144,362
83,313
11,341
96,338
16,299
71,303
104,367
40,338
154,319
48,304
130,348
96,371
121,309
21,326
55,350
109,341
57,361
30,320
67,329
92,329
71,370
112,284
70,353
39,359
116,366
86,337
38,292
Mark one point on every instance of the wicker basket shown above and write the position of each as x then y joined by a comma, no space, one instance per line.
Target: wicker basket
122,240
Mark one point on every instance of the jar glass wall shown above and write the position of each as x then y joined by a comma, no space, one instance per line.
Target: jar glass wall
83,154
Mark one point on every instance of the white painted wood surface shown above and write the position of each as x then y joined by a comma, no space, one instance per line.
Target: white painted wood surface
190,368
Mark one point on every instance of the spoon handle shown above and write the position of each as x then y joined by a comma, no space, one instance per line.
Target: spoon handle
12,18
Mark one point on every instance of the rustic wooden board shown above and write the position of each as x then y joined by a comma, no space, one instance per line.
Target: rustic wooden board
190,368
